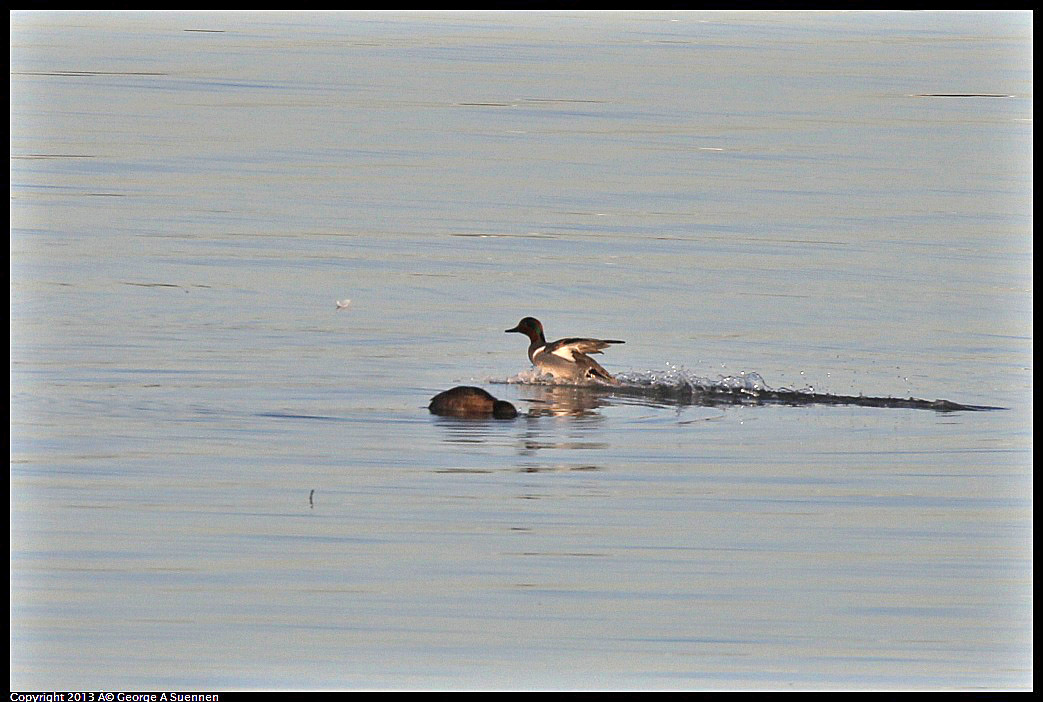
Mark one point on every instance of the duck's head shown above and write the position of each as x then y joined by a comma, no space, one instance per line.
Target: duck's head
530,327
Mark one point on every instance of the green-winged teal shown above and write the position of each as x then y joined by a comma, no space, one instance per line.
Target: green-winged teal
566,359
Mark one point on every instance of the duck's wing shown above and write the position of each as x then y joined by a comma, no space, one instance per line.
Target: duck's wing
568,348
593,370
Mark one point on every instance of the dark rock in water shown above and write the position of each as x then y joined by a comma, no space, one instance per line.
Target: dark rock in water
468,401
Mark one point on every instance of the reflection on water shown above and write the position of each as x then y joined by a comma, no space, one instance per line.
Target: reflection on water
563,400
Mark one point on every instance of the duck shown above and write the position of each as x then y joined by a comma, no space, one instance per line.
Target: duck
564,359
469,401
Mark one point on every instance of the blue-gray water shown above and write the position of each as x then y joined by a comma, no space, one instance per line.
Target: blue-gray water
219,480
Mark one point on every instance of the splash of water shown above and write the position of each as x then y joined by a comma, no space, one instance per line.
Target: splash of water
680,380
671,381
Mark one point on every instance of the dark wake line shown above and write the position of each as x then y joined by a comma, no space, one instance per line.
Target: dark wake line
712,396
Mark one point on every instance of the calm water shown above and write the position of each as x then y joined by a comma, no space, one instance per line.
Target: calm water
218,480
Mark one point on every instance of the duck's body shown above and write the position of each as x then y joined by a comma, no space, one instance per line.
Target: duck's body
468,401
565,359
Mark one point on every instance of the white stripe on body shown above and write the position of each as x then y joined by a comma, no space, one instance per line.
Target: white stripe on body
564,352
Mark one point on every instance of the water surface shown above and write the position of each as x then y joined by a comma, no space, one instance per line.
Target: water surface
221,481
